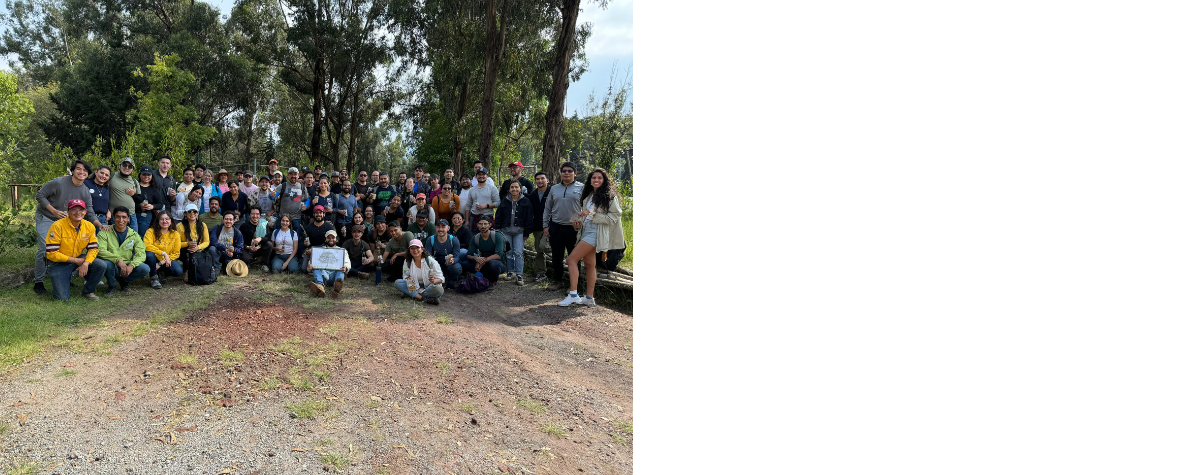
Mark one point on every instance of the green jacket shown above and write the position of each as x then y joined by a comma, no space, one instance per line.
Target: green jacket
132,251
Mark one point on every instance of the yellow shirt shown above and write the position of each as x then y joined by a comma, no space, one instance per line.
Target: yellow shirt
199,233
63,241
169,243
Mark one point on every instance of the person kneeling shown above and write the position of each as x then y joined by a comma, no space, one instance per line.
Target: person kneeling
71,248
123,252
485,251
422,275
323,276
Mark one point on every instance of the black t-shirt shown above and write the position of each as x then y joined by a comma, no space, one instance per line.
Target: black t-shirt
248,231
382,196
356,252
316,234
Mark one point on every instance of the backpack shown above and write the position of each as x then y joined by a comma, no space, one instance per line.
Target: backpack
205,267
473,284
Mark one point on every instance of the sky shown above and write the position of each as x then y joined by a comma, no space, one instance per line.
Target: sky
609,48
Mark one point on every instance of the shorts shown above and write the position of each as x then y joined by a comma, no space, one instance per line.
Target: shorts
589,233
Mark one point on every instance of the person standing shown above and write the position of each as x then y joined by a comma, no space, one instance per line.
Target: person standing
321,277
515,219
475,171
347,204
248,186
292,201
600,230
446,202
97,186
71,246
122,187
541,243
53,198
448,177
482,200
272,167
383,193
150,200
210,190
123,253
562,206
264,197
181,195
167,186
235,202
515,169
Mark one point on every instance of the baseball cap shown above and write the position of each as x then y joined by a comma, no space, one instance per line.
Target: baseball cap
293,170
443,221
379,218
318,208
146,170
191,207
127,159
330,233
420,196
76,202
416,242
273,161
423,214
481,170
516,164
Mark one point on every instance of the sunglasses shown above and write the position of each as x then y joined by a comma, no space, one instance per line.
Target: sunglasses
126,165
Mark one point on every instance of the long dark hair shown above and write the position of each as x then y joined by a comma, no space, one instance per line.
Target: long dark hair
604,197
408,258
199,226
158,229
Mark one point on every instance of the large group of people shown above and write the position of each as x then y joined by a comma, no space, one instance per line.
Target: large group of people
420,233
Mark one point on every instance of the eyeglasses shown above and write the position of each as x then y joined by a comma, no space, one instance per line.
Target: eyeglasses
126,165
567,171
362,175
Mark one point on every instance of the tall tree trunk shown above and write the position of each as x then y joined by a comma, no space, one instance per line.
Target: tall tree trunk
552,141
250,133
350,151
457,164
318,98
495,50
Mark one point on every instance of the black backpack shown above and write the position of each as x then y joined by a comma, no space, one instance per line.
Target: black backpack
205,267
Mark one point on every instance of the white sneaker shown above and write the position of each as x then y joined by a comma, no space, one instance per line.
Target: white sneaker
266,270
588,301
570,300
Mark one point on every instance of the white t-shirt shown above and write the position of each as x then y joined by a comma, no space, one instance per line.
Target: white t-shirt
284,247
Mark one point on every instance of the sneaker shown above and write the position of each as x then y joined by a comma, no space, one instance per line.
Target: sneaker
591,302
155,283
520,280
124,286
570,300
110,291
432,301
91,296
266,270
316,289
39,288
337,289
540,277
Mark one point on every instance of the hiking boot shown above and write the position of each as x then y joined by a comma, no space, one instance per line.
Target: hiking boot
124,286
590,302
39,288
337,289
317,290
432,301
92,296
155,283
520,280
567,302
110,292
540,277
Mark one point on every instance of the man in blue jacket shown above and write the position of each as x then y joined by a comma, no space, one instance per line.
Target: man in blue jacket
227,240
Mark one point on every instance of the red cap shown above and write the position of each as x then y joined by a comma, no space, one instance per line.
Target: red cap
318,207
420,195
273,161
74,203
516,164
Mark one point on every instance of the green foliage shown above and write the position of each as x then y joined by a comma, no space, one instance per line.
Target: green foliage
163,125
15,112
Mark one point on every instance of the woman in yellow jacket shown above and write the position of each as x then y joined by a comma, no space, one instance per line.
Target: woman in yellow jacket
162,249
193,236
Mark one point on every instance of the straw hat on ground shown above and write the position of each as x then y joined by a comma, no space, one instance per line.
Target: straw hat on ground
237,268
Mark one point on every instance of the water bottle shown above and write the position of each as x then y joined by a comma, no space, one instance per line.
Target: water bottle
379,273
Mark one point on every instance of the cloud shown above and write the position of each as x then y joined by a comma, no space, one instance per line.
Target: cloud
612,29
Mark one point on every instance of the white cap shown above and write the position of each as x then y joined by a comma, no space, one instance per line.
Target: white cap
191,207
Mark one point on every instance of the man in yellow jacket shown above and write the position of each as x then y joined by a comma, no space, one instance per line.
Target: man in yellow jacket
71,248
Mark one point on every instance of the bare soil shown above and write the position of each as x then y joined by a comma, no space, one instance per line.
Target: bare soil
269,380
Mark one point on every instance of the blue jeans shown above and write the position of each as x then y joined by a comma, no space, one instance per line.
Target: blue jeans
60,277
515,256
175,270
321,276
452,271
277,264
142,223
491,270
433,291
110,276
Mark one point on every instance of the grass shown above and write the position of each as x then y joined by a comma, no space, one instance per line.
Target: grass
291,347
300,383
467,408
616,439
270,383
627,228
372,404
187,359
230,358
308,409
444,319
4,428
626,427
27,467
554,430
16,260
65,373
321,376
536,407
337,462
445,367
